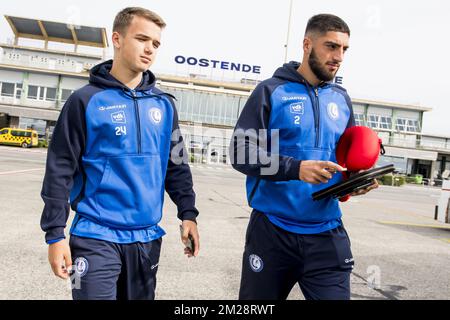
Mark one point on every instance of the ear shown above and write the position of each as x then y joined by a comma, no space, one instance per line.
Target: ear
307,45
116,39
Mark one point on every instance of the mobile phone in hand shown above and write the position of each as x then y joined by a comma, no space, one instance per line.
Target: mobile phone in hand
190,241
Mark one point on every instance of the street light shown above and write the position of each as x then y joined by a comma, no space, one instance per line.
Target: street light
288,32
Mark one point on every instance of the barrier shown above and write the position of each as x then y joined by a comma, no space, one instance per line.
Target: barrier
444,203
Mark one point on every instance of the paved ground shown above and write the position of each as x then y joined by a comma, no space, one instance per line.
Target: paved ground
400,251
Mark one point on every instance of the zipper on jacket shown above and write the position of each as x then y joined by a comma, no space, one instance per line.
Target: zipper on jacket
138,121
316,110
316,101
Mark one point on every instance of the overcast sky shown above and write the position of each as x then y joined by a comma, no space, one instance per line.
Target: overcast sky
399,50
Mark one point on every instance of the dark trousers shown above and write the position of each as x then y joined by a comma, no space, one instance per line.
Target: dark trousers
275,260
109,271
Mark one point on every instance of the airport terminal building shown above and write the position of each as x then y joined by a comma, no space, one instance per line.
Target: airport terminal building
35,82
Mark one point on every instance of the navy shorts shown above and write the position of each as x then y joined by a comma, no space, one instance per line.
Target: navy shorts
275,260
109,271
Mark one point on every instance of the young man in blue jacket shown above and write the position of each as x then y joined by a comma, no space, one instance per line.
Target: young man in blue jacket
285,141
116,147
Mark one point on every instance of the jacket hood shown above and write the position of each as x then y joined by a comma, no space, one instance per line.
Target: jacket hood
100,76
289,72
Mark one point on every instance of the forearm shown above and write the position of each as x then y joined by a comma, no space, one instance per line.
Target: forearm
249,156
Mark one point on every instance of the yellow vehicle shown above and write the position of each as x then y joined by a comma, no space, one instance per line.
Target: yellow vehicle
25,138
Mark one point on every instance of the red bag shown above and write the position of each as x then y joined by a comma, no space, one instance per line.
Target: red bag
358,149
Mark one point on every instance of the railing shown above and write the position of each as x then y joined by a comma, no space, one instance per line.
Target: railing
419,144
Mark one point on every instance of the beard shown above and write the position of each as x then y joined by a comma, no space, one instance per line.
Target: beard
318,69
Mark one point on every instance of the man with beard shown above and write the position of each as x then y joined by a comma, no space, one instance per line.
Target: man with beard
284,141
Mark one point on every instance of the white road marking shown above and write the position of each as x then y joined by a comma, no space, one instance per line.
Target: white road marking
20,171
28,150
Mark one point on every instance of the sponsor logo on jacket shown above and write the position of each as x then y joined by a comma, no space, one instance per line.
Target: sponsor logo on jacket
303,98
118,117
120,106
297,108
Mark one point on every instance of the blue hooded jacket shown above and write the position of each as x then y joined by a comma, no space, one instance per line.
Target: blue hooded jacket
110,156
308,122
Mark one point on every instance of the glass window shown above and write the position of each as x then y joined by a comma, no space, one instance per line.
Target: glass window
184,103
232,107
193,106
400,125
8,89
359,119
373,121
211,109
413,126
29,123
203,106
242,102
33,92
4,131
65,94
407,125
41,93
181,105
385,123
207,107
50,94
220,105
447,166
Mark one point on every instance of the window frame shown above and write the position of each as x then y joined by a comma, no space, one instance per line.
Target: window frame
3,86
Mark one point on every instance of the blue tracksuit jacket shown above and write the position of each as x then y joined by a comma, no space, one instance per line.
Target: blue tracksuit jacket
310,121
109,156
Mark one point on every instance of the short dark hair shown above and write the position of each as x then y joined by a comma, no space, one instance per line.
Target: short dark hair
124,17
322,23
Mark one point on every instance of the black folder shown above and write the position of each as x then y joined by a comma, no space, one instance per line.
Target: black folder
356,182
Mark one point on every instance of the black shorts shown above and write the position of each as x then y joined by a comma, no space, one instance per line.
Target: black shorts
110,271
275,259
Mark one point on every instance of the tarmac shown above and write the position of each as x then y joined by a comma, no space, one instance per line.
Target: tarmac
400,251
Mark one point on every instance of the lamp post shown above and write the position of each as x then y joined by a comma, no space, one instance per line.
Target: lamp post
288,31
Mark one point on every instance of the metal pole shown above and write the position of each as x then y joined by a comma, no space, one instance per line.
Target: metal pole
288,32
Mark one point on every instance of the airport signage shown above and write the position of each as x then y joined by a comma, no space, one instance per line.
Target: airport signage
217,64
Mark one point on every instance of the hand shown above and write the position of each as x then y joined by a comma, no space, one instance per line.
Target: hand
315,172
364,191
190,228
60,258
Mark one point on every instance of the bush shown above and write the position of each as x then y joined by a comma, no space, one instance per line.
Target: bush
416,179
42,144
410,179
392,180
399,180
386,180
419,178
